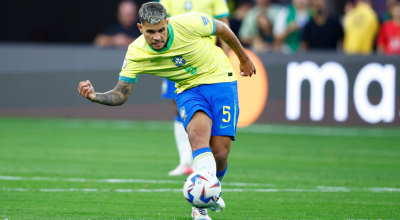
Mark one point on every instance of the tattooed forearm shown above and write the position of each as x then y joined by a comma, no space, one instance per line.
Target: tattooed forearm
234,43
117,96
110,98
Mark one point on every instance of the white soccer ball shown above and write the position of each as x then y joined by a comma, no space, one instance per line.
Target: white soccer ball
202,189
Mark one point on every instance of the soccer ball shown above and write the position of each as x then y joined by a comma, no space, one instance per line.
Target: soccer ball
202,189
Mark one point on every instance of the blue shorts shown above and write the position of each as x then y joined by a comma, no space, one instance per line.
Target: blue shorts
168,89
219,101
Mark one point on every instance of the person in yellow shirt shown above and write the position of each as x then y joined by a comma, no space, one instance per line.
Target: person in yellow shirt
180,49
361,25
217,9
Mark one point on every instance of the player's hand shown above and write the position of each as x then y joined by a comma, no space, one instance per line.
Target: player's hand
247,68
86,89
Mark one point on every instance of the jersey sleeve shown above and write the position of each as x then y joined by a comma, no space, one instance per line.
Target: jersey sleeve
167,6
130,69
220,9
200,24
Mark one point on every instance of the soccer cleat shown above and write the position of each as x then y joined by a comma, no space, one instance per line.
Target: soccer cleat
200,214
181,169
219,206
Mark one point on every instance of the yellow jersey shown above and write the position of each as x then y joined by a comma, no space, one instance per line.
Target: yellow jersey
189,58
361,26
215,8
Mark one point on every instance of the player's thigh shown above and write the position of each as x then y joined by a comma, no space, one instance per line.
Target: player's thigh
196,115
199,130
225,107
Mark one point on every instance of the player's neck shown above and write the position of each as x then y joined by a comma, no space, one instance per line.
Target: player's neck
166,42
396,21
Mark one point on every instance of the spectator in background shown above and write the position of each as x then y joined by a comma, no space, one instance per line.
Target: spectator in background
348,6
361,26
388,15
389,37
125,31
241,10
256,29
323,32
289,26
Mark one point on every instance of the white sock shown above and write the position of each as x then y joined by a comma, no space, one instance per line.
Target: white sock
204,160
183,144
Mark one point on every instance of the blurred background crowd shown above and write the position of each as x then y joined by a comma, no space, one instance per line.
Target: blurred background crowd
288,26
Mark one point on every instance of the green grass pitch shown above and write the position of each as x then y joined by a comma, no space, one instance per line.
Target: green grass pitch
94,169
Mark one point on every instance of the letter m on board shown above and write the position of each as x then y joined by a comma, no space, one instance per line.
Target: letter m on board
317,76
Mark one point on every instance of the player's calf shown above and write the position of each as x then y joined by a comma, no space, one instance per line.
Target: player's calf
221,146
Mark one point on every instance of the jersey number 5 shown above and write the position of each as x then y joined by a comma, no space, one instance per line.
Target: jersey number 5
226,112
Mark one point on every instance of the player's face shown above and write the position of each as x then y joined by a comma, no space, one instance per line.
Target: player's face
156,35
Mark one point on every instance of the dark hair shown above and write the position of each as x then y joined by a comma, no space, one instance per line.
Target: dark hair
152,13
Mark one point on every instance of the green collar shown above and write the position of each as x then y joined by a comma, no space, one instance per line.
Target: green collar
170,40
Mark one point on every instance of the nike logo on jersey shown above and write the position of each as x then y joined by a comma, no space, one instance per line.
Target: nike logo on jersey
222,127
152,60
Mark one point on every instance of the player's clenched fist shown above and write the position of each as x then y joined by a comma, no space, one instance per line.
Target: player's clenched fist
86,89
247,68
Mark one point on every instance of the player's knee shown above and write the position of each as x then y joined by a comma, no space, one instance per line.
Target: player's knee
197,139
221,155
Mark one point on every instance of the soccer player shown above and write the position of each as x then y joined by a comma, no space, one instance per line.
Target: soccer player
218,9
180,49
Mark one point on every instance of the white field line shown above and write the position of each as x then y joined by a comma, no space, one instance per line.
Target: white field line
318,189
19,178
255,128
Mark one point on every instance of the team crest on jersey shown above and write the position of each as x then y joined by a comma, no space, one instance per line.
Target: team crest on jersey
205,20
183,113
179,61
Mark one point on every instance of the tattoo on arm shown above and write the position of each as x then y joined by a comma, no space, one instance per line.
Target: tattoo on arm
234,43
226,34
117,96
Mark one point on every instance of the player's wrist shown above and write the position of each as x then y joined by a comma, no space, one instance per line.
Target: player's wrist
244,59
94,99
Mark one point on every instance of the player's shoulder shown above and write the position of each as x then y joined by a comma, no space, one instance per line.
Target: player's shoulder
138,43
137,46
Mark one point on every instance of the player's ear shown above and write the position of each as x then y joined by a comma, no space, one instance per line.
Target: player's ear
140,27
167,20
